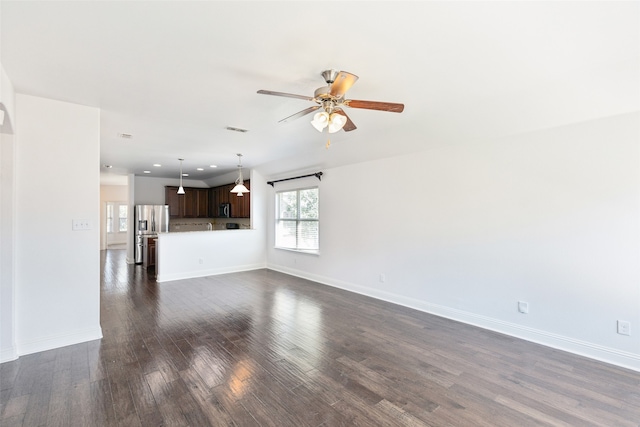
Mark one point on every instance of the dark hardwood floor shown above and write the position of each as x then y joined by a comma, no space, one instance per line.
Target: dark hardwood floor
266,349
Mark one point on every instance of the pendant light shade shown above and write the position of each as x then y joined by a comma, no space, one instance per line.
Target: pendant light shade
181,189
239,187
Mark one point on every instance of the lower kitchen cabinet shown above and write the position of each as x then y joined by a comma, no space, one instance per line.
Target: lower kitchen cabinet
151,253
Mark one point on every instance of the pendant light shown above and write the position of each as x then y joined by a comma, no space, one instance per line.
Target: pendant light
240,188
181,189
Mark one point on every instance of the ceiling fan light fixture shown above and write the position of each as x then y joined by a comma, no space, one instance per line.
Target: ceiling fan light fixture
336,122
320,120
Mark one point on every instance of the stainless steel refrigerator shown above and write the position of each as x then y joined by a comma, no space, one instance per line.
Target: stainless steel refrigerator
149,221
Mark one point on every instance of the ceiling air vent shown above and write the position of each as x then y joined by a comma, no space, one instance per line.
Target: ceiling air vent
231,128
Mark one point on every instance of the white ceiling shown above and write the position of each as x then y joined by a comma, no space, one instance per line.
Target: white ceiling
176,74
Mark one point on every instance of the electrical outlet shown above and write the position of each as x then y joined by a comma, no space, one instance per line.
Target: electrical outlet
383,277
200,261
523,307
624,327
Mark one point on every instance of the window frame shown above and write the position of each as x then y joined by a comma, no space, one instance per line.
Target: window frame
297,220
113,221
121,218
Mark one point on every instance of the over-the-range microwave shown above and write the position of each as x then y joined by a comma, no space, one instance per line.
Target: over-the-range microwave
224,210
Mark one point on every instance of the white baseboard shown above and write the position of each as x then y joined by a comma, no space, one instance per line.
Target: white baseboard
8,354
571,345
63,340
163,277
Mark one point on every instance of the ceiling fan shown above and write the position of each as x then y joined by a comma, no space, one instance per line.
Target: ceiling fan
330,99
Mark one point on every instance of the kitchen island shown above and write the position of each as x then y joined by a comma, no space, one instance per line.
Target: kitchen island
184,255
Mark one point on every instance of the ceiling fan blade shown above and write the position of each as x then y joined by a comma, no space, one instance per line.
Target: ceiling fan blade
342,84
288,95
349,125
300,114
374,105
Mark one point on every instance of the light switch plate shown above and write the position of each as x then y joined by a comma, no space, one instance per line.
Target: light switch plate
80,224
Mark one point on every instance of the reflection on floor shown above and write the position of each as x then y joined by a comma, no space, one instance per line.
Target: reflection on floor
263,348
116,246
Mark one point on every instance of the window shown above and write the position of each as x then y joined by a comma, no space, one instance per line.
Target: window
122,218
297,221
109,218
118,224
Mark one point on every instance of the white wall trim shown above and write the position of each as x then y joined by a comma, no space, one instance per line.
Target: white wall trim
209,272
56,341
571,345
8,354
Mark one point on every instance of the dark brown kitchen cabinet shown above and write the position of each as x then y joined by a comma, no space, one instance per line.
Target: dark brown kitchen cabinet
194,203
189,207
175,202
240,205
151,253
202,202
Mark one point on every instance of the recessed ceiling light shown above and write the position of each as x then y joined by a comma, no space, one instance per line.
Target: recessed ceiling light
107,166
199,169
147,171
125,135
157,165
185,174
213,166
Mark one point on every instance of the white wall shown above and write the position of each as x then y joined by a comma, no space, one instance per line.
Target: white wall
57,272
550,218
7,102
150,190
8,350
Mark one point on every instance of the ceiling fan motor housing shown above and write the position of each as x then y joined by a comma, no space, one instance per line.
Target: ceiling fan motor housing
329,76
322,94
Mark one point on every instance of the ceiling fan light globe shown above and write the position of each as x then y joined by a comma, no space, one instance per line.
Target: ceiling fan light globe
320,120
336,122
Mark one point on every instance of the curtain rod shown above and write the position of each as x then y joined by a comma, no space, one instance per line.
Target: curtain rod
317,175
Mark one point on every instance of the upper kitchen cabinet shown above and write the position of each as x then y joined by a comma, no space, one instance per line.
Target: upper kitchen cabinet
189,206
175,202
194,203
202,202
240,206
